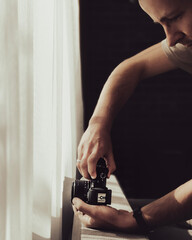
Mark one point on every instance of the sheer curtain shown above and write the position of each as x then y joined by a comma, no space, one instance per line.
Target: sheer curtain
40,114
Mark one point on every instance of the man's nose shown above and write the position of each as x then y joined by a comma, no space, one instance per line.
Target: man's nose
173,36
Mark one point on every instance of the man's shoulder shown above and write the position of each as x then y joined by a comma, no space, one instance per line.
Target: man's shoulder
179,54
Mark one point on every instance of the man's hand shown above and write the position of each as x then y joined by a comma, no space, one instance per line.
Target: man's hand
95,143
104,217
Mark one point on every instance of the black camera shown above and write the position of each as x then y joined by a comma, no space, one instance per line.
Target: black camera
93,192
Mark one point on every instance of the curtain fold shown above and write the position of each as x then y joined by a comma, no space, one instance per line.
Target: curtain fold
72,114
44,149
16,126
40,114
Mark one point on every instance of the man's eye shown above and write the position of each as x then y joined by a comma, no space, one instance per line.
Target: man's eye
175,18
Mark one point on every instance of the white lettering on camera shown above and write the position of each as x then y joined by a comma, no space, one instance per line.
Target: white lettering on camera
101,197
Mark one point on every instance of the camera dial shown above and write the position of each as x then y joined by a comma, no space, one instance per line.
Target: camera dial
102,175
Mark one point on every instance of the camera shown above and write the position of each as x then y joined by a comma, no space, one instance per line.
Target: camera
93,191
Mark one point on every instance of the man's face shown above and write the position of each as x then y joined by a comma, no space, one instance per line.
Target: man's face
175,16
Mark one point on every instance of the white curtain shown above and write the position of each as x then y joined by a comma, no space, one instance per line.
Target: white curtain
40,114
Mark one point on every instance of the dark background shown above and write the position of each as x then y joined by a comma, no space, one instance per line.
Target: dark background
152,134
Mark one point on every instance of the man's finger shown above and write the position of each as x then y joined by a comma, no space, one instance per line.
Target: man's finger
86,220
111,164
92,162
83,167
84,207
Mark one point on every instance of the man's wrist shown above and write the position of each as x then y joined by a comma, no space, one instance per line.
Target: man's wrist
101,122
142,224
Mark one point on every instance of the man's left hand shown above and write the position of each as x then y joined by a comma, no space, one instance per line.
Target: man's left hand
103,217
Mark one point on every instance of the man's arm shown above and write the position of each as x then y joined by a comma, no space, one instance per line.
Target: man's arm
120,85
124,79
174,207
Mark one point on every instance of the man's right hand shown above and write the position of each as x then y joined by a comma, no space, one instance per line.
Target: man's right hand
95,143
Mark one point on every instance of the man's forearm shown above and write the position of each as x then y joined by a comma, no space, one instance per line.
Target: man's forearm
174,207
116,91
124,79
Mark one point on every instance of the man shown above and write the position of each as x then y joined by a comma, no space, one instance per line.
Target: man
176,51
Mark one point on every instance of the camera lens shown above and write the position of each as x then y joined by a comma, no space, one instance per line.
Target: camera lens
80,189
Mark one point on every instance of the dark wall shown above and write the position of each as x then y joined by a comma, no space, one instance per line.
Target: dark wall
151,135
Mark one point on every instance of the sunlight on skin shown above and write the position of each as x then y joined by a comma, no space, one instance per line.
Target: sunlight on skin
180,195
174,206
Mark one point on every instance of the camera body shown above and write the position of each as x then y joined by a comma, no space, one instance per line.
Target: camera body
93,192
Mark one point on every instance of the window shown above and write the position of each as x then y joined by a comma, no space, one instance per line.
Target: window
41,113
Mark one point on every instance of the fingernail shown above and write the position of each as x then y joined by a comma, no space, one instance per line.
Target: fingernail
73,201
